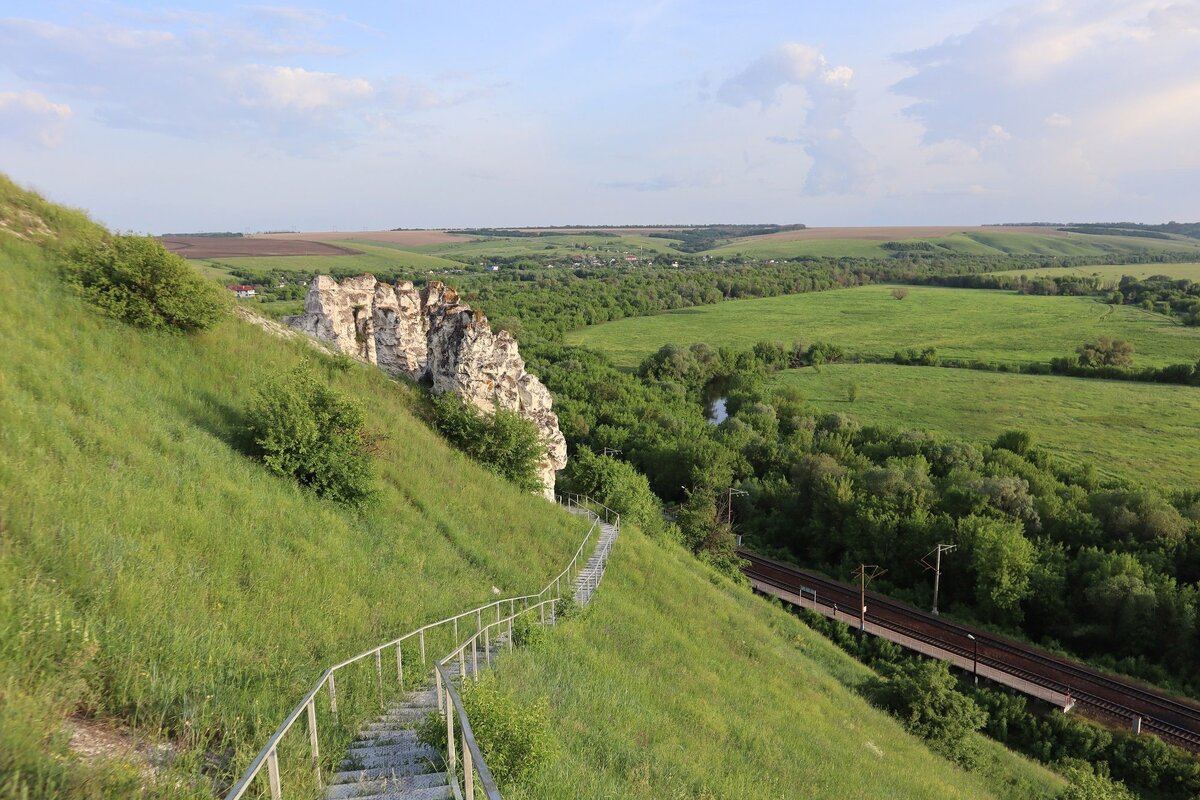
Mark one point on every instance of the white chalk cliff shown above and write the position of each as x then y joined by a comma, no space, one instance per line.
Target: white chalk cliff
427,334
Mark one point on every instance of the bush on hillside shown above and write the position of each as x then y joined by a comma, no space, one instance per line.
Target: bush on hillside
617,485
503,442
923,695
303,429
135,280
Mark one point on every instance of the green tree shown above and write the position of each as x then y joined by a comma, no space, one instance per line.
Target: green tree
1106,352
1003,561
301,428
503,442
135,280
618,485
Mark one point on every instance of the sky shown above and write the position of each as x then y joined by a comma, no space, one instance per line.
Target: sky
216,116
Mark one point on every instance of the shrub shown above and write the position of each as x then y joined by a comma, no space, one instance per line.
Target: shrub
619,486
899,293
921,693
1106,352
301,428
503,442
135,280
1086,783
1019,442
515,739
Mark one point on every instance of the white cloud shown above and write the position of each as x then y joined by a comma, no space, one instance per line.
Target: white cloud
840,164
297,89
198,74
1067,94
31,116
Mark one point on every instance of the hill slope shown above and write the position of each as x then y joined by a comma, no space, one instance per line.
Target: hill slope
153,578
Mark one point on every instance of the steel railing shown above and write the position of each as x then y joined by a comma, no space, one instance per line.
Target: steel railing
268,757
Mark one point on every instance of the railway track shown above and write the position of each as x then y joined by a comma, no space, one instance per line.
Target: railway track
1173,720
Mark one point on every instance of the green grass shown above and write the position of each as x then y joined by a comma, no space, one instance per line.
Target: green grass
960,323
675,684
1147,432
559,246
966,243
375,257
1116,272
152,575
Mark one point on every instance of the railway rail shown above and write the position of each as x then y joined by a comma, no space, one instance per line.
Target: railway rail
1173,720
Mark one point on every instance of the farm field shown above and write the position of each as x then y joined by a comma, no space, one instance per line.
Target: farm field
564,245
197,247
866,321
369,258
1117,271
977,241
1135,430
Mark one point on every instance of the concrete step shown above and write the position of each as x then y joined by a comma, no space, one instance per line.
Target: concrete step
389,757
401,770
431,793
375,786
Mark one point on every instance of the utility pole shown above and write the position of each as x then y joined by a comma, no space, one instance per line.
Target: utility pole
730,493
865,574
611,451
974,658
937,568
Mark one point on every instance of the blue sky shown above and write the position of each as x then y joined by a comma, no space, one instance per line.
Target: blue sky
362,115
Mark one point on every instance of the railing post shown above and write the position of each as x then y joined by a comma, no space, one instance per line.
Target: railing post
273,775
510,641
456,630
469,769
312,739
422,647
379,674
449,732
437,677
498,615
333,697
487,644
400,664
475,657
478,621
462,663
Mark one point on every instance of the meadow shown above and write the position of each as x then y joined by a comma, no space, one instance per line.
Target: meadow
1115,272
867,321
999,242
1145,432
672,671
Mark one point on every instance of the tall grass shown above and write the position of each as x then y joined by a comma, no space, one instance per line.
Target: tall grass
153,575
677,684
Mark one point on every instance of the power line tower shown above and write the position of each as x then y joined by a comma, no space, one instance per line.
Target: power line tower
611,451
937,567
865,574
725,509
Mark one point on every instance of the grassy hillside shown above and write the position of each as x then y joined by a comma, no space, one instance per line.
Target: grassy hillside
960,323
1136,430
675,684
965,243
153,576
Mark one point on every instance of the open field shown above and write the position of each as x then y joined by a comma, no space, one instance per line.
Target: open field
369,258
885,233
1148,432
981,241
239,246
685,671
1116,272
563,246
866,321
414,238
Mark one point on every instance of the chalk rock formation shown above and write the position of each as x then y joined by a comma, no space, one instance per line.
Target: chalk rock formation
428,334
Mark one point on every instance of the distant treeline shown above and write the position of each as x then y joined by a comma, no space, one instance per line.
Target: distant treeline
517,234
706,237
1189,229
208,234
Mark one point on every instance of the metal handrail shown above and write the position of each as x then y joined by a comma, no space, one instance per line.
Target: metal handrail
268,756
472,759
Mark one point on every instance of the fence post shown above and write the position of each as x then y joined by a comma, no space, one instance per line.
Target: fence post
468,769
450,731
273,775
333,698
379,674
312,738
